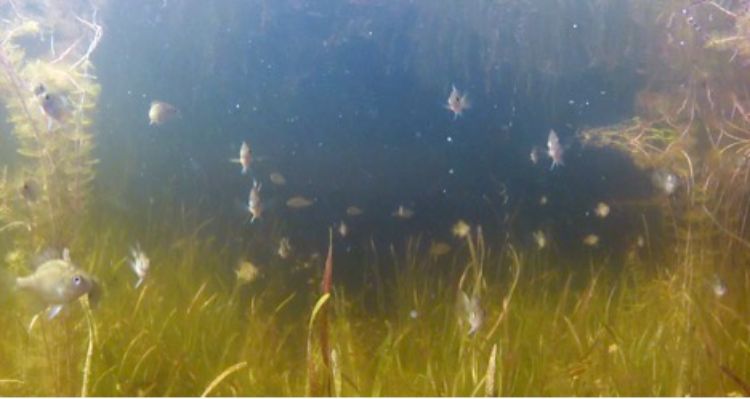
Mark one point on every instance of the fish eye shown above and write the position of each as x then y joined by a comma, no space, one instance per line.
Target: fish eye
77,280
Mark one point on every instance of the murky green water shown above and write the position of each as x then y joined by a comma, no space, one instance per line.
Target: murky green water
416,228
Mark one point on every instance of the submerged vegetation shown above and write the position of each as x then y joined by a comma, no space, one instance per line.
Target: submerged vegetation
49,101
479,316
637,331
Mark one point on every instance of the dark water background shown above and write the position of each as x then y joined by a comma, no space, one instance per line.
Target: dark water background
347,102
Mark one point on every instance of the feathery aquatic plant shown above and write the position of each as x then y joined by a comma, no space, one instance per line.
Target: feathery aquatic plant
55,144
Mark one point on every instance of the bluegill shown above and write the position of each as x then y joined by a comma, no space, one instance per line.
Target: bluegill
457,102
57,282
554,150
472,312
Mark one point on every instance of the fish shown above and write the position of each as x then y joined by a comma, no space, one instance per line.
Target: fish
403,212
343,229
30,190
665,181
718,286
540,239
285,248
161,112
591,240
245,159
299,202
58,282
601,210
457,103
473,315
277,178
554,150
543,200
461,229
534,155
354,211
246,272
254,205
55,106
139,263
438,249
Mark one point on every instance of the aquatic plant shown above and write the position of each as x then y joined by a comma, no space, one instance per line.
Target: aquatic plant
691,121
649,329
320,356
55,147
49,99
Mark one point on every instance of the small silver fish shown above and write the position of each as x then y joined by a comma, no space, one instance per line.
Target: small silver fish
718,286
601,210
343,229
285,248
665,181
58,282
461,229
353,211
554,150
246,272
534,155
245,159
457,103
403,212
254,205
160,112
540,239
277,178
299,202
473,315
140,264
591,240
438,249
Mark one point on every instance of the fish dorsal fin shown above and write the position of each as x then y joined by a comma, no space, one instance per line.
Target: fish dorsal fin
43,257
66,255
